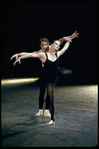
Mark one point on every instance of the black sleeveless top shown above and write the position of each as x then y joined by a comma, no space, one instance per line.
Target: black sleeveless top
51,69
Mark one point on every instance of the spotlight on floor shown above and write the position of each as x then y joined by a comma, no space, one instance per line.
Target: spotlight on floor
7,82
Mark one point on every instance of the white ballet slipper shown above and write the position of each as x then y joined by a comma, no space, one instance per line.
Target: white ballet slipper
47,113
39,113
51,122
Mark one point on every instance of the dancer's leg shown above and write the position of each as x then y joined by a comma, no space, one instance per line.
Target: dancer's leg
50,89
42,93
47,101
41,97
47,106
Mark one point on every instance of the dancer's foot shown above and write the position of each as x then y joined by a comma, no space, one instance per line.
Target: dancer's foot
39,113
51,122
47,113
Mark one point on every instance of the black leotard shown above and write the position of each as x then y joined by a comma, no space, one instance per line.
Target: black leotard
50,69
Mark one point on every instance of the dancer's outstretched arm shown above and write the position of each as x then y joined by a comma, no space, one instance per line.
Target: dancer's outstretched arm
22,54
31,55
66,46
63,50
74,35
18,54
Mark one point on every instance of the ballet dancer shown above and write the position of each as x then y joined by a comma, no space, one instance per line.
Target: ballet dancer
44,44
50,60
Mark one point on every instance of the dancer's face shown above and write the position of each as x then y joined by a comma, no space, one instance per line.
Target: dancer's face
44,45
56,45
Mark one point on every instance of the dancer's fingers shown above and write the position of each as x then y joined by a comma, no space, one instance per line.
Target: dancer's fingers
11,57
14,63
16,57
20,62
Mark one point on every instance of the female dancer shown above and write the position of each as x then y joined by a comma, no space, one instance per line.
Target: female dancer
50,60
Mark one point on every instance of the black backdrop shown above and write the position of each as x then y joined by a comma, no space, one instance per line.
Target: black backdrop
24,23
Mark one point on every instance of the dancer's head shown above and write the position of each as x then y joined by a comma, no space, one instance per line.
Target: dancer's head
55,45
44,43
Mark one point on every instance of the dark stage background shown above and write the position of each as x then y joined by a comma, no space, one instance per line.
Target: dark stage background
24,23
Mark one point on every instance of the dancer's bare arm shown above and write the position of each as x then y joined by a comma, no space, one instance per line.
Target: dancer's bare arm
40,55
66,46
63,50
18,54
22,54
74,35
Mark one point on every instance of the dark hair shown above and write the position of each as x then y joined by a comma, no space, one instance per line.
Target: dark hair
44,39
55,40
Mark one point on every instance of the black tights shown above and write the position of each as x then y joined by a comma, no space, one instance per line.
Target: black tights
50,97
50,89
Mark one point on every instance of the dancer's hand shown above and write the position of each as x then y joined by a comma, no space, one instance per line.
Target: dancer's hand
14,56
67,39
74,35
18,60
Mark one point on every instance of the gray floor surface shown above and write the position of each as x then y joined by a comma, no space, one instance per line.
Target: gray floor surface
76,117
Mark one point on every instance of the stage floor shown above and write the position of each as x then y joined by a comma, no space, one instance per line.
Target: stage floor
76,117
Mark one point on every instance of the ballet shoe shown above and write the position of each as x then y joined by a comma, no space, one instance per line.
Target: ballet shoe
51,122
39,113
47,113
